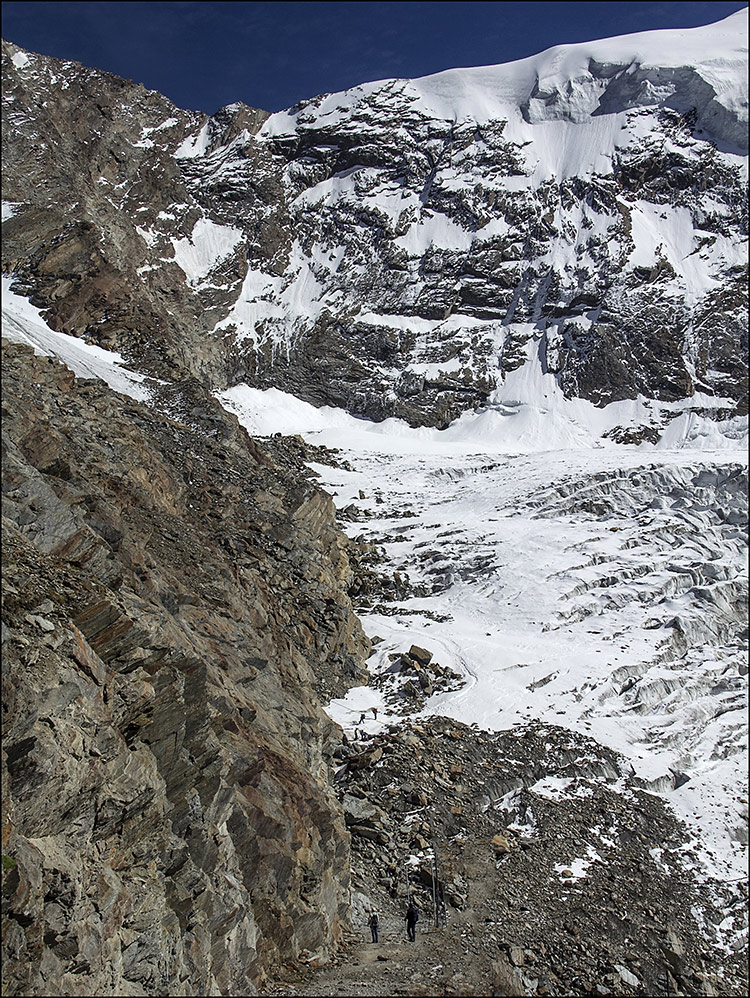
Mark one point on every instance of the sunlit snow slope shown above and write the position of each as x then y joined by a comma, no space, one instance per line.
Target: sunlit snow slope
586,203
405,247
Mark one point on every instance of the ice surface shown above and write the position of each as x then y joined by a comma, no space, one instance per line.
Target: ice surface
557,608
208,245
716,49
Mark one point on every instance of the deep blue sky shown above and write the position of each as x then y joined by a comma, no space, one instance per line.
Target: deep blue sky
271,55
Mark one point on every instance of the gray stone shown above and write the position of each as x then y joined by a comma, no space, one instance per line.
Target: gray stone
420,655
41,622
627,976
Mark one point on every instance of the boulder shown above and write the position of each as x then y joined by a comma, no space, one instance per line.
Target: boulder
368,758
420,655
374,834
516,956
505,979
359,811
501,845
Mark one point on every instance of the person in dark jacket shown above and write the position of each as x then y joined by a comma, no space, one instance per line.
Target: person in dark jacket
374,923
412,917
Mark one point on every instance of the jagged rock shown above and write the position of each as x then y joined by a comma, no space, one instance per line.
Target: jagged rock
505,978
626,976
173,725
375,834
420,655
516,956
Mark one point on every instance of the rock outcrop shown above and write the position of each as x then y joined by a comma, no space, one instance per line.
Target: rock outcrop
170,601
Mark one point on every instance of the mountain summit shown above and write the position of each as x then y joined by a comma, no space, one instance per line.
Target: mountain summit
403,247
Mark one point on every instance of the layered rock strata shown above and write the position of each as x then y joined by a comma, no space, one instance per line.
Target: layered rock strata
169,602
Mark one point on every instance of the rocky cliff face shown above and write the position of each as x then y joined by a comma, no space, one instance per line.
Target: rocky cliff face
169,603
398,249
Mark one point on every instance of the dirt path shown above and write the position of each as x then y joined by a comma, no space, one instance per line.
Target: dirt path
393,966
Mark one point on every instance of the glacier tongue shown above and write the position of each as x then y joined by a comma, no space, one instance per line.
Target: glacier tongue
602,588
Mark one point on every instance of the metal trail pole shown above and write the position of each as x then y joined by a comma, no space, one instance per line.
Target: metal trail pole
435,882
434,887
440,901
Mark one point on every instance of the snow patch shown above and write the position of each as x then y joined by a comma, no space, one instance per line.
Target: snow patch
22,323
9,209
206,247
149,237
194,145
578,868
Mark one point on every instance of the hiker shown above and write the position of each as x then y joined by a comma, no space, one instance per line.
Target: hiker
373,923
412,917
344,739
362,718
374,712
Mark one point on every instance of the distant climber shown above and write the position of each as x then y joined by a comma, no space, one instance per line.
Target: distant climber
412,917
374,712
374,923
362,718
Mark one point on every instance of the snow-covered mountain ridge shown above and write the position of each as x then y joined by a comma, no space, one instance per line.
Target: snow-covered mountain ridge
401,248
576,82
